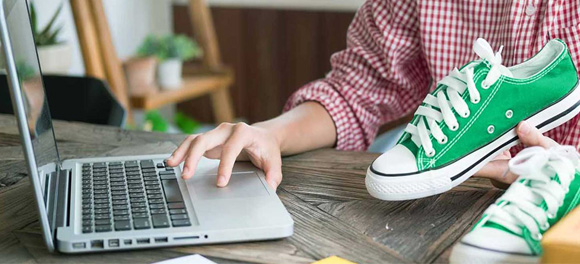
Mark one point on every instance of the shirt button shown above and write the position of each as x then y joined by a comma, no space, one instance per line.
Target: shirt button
530,10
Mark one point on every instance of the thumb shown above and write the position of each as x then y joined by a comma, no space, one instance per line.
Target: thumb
530,136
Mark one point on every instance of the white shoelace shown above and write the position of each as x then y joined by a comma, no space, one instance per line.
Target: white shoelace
520,204
439,108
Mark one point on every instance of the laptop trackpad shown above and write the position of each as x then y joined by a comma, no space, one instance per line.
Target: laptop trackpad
241,185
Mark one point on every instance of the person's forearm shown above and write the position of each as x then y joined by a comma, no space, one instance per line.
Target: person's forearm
304,128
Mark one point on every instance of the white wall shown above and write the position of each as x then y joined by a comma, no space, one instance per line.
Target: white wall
130,22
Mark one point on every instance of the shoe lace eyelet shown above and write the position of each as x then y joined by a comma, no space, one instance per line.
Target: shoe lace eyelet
443,140
545,226
550,215
454,127
466,114
537,236
430,154
484,85
475,101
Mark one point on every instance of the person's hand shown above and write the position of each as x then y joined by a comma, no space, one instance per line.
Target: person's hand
229,142
497,170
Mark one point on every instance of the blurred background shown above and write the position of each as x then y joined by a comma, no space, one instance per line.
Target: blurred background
239,59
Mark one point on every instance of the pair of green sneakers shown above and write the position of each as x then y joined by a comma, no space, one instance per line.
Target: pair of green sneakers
469,119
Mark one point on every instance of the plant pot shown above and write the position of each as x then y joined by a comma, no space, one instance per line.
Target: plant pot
140,74
169,74
55,59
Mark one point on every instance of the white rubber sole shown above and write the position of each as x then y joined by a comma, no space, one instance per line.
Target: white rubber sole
462,254
432,182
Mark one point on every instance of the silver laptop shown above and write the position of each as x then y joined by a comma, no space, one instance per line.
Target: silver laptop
101,204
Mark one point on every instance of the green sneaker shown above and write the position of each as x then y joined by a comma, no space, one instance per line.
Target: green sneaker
510,230
471,118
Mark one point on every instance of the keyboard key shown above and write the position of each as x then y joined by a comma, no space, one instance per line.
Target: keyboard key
160,221
158,211
131,163
87,211
119,202
103,222
99,165
119,197
102,216
87,222
120,212
184,222
177,211
179,217
87,229
87,217
140,215
101,211
103,191
122,225
156,201
147,164
101,201
137,200
160,165
172,192
121,207
155,196
102,206
156,191
167,177
103,228
121,217
141,223
176,205
139,210
148,170
157,206
136,205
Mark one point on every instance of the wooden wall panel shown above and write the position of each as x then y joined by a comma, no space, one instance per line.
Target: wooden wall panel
273,53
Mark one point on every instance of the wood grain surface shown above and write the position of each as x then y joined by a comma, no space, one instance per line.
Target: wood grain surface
323,191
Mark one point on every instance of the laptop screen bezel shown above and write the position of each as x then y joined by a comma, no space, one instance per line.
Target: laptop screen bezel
20,113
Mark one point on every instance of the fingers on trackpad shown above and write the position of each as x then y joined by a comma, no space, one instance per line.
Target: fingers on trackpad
241,185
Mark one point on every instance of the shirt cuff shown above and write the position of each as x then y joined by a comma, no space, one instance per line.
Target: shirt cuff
349,134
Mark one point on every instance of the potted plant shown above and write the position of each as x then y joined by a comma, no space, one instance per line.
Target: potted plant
55,55
140,71
171,51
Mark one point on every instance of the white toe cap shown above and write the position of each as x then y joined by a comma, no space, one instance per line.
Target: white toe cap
398,160
497,240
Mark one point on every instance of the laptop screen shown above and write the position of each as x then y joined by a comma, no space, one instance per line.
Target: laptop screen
31,85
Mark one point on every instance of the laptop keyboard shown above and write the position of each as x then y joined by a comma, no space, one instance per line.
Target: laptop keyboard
131,195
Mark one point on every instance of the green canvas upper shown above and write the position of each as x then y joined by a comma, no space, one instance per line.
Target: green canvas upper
571,201
524,97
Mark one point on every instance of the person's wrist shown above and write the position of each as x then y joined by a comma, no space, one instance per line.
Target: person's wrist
276,133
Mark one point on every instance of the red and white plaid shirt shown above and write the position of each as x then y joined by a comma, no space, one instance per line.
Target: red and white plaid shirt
396,47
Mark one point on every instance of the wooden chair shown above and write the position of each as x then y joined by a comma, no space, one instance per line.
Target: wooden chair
101,61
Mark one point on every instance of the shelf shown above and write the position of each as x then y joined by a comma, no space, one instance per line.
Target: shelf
193,86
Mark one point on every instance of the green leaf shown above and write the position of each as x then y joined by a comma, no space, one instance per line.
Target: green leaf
33,19
48,27
52,39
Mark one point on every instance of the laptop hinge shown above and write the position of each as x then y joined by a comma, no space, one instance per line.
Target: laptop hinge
58,203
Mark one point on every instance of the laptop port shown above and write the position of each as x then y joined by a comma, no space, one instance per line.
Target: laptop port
113,243
97,244
79,245
143,241
187,237
128,242
161,240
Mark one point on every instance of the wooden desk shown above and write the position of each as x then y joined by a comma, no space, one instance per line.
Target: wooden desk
323,190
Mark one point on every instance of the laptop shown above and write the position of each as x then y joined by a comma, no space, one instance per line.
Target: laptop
131,202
